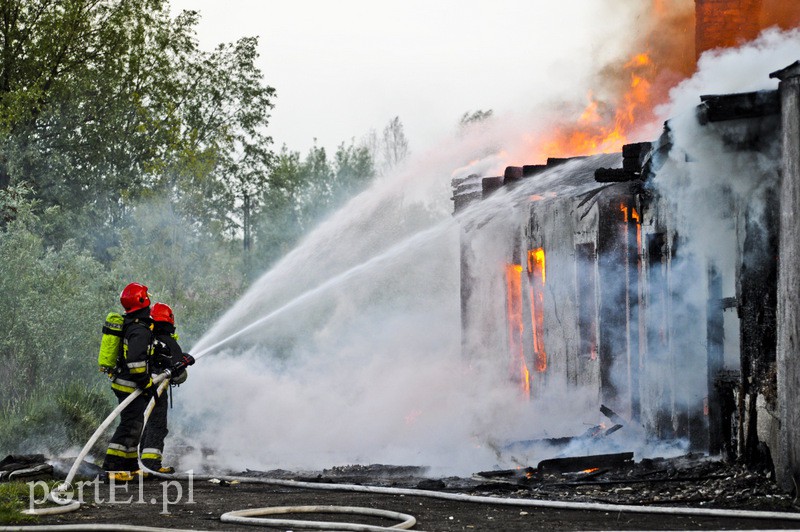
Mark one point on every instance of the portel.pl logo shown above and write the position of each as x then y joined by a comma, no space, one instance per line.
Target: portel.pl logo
118,493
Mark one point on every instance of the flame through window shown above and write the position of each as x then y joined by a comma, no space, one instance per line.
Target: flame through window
537,276
519,368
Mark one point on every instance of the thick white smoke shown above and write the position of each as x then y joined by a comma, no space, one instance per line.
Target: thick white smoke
363,363
707,182
730,70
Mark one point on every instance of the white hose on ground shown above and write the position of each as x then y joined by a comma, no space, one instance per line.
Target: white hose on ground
249,517
63,508
103,426
532,503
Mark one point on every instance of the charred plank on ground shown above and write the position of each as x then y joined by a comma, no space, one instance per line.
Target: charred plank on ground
582,463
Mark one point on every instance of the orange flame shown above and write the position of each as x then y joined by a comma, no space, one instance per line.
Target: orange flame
600,130
634,215
625,93
537,274
536,263
519,367
635,218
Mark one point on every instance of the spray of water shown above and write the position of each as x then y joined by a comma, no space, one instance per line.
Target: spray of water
374,262
349,346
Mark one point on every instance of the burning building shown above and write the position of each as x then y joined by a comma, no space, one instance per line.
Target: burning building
676,304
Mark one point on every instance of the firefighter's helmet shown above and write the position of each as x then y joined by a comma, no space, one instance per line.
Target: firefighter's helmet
162,312
134,297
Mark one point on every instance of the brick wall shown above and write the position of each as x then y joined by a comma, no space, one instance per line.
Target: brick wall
723,23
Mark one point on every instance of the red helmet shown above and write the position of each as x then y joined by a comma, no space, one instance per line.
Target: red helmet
162,312
134,297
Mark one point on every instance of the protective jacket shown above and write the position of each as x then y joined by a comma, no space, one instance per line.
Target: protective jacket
131,373
166,353
132,369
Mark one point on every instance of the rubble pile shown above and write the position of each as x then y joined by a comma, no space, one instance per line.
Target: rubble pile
691,479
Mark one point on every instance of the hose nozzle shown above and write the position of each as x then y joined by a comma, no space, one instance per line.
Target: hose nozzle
187,360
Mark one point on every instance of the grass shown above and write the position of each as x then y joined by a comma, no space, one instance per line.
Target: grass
52,420
65,416
83,409
15,497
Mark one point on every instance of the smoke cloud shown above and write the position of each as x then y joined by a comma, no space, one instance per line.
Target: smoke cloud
708,182
716,183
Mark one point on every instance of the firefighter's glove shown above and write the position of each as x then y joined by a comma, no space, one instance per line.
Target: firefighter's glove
150,391
178,376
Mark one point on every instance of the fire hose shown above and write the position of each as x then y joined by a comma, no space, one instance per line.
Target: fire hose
161,380
250,516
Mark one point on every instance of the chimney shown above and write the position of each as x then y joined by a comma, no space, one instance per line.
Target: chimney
725,23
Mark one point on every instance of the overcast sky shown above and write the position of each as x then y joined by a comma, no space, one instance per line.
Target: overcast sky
344,67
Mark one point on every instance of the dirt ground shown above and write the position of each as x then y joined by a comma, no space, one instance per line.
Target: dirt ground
163,504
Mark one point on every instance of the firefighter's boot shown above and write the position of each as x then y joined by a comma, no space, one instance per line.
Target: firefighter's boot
121,476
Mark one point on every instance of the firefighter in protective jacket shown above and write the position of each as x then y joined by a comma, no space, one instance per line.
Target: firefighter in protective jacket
131,373
166,354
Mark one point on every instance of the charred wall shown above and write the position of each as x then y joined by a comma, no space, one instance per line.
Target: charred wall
788,289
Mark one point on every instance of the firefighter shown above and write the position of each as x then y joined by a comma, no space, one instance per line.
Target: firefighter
167,354
131,373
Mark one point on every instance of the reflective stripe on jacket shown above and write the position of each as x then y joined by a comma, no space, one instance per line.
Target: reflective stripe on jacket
137,347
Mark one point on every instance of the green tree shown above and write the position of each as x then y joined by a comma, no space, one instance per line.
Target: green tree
395,144
319,176
476,117
354,168
225,116
51,306
105,102
301,191
84,100
279,222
